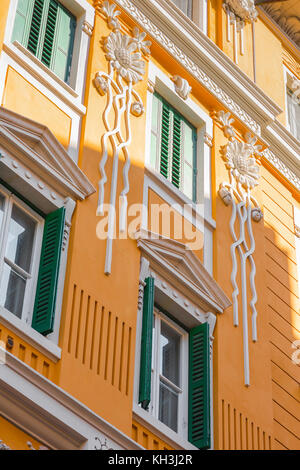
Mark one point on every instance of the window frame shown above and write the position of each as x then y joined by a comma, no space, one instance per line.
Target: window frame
288,77
182,417
31,283
162,101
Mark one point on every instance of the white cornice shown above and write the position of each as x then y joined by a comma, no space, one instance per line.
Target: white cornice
204,60
50,414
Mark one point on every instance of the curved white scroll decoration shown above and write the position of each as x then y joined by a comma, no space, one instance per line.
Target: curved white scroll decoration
240,158
126,68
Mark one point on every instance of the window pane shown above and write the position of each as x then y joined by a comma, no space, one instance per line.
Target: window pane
153,150
12,291
168,406
155,107
2,204
188,149
20,238
170,353
185,6
188,181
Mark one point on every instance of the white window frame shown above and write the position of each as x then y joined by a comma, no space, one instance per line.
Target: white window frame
297,242
199,14
182,418
288,75
31,283
68,98
159,184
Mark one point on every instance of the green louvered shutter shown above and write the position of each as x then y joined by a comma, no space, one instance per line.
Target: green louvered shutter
22,21
59,40
165,140
199,387
146,346
45,300
176,160
35,33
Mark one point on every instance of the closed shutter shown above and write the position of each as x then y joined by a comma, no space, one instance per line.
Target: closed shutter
146,346
199,387
47,29
176,160
165,140
45,300
22,21
63,43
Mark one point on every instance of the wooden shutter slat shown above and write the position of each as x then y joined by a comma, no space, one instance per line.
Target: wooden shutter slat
45,300
35,27
146,344
199,387
165,136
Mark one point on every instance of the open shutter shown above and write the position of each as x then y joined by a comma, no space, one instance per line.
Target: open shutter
165,137
38,16
199,387
45,300
22,21
146,346
62,41
176,160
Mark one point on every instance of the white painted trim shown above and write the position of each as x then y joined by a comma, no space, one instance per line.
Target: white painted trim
51,415
297,241
31,336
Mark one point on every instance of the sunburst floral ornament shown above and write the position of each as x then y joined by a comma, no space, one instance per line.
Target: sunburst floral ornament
241,163
126,67
121,52
241,160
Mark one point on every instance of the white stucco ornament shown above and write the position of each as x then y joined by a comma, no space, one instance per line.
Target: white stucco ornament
244,9
126,66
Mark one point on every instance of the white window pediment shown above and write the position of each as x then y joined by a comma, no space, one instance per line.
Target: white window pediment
174,261
34,162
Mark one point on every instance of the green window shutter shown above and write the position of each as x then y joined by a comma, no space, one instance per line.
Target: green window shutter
195,170
38,14
146,346
165,138
176,160
22,21
199,387
45,300
58,47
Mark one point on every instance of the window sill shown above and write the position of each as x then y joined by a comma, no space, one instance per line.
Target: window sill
28,334
45,76
177,195
161,430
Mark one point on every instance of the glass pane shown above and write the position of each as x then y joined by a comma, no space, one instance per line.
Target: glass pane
188,149
20,238
153,150
168,406
2,204
12,291
169,353
188,181
185,6
155,107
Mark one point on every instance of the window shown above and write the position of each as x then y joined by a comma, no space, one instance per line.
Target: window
47,30
175,372
169,374
30,247
185,5
173,147
293,105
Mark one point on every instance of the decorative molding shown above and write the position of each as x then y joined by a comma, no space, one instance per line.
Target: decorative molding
182,87
244,9
189,64
126,67
208,140
87,28
144,273
241,161
4,446
297,231
287,16
175,262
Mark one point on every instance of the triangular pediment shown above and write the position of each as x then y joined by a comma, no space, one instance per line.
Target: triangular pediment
176,259
41,151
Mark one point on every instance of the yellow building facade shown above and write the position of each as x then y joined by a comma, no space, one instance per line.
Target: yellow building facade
149,224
